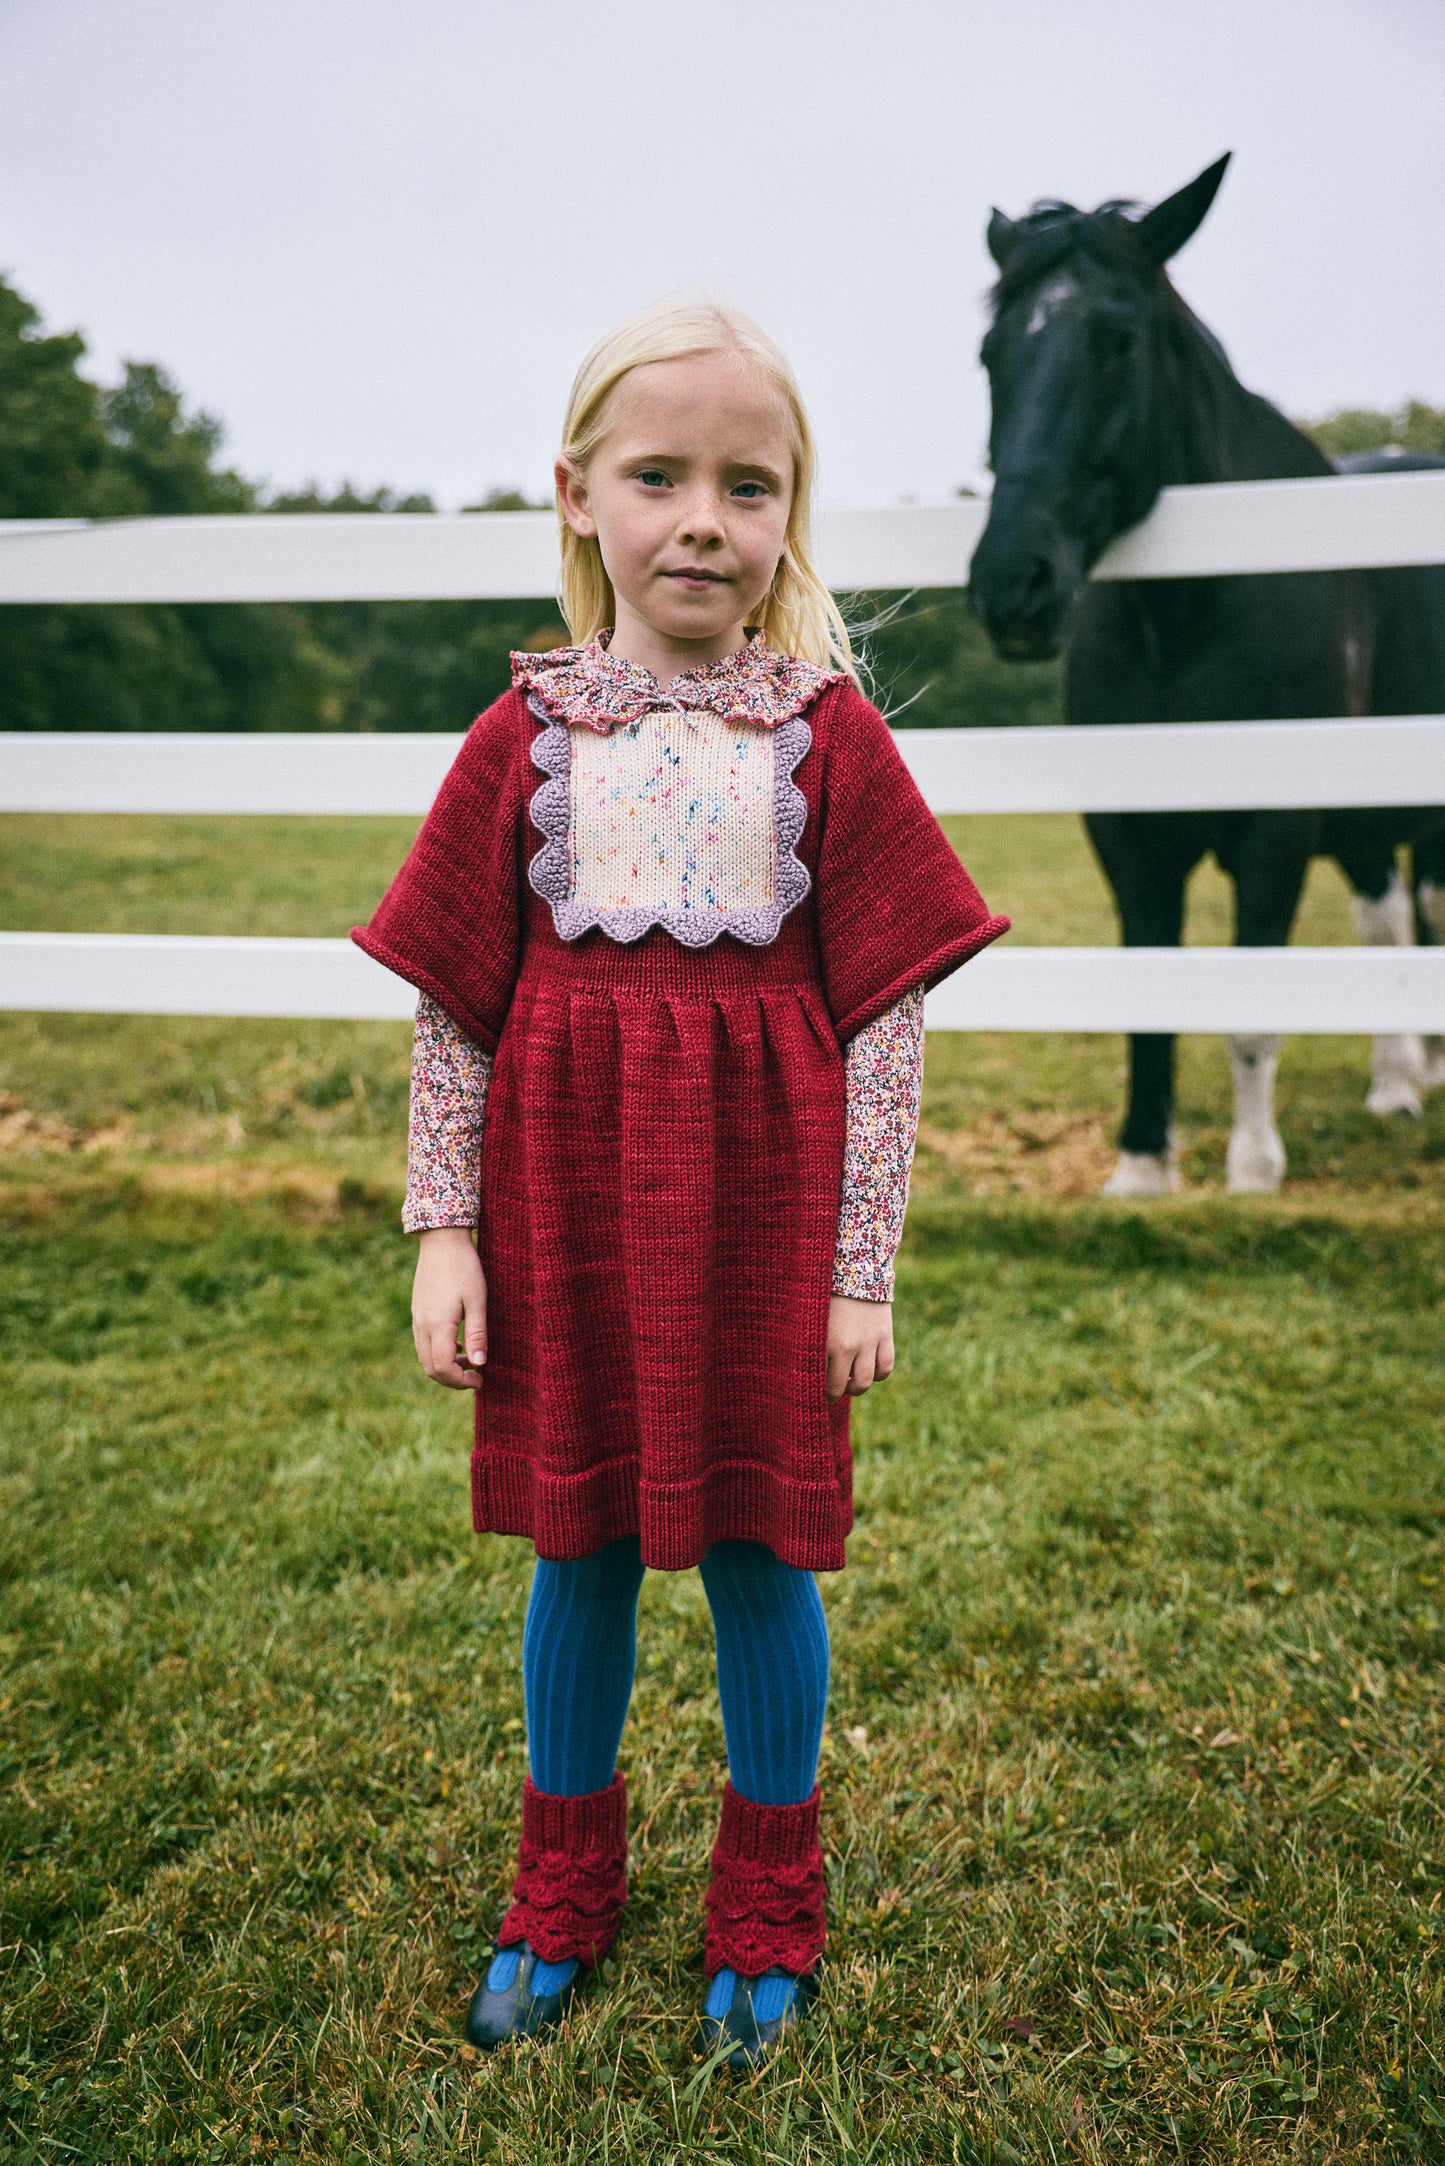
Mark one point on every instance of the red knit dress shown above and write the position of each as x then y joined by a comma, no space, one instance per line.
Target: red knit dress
663,1149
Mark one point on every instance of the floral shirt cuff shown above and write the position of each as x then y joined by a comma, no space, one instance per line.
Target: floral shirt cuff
450,1077
883,1073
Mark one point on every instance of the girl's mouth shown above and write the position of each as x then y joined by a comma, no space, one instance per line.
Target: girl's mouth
694,576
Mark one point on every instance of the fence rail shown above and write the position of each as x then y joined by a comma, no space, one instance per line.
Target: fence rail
1357,521
1169,767
1009,989
1318,525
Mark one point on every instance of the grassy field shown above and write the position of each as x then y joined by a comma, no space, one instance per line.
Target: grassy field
1132,1794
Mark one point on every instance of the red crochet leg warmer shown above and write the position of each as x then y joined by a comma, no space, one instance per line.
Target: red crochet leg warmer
765,1905
571,1883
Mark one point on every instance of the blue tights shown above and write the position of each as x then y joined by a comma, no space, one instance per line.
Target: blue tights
579,1652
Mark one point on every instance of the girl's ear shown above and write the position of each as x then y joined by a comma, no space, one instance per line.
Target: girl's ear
573,500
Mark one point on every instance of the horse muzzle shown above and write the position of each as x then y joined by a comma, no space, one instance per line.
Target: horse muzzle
1022,583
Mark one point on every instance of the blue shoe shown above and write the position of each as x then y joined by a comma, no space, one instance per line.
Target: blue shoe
751,2014
520,1997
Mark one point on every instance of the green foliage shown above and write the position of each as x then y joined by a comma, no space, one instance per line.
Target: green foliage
1413,426
162,458
417,665
508,500
422,665
72,449
52,435
932,667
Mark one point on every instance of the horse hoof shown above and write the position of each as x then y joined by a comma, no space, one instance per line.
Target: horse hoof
1396,1094
1143,1173
1397,1075
1254,1165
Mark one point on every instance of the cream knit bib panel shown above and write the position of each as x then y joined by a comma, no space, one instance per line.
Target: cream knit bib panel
674,811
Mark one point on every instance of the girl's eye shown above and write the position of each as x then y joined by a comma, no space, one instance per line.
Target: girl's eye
748,489
652,477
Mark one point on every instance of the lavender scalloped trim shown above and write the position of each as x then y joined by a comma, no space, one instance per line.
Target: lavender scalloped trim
550,871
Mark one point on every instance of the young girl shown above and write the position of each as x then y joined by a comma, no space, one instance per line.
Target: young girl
671,920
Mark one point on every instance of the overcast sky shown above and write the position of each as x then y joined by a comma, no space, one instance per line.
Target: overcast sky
375,238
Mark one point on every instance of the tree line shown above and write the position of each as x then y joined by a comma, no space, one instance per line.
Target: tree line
72,448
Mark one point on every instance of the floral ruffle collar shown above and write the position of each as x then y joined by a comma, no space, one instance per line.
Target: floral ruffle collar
591,686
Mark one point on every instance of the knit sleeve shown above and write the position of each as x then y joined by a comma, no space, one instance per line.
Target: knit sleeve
895,908
450,1077
451,921
883,1072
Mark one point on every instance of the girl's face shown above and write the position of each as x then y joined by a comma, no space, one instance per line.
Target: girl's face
688,494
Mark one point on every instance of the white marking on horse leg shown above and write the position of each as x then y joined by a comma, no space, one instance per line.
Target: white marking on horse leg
1255,1161
1398,1069
1397,1063
1430,897
1388,922
1144,1173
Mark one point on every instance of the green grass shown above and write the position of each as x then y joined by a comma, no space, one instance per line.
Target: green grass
1141,1856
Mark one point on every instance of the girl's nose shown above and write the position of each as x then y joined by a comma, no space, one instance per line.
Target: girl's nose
700,520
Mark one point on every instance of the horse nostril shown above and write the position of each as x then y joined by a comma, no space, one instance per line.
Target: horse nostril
1027,589
1037,584
1024,574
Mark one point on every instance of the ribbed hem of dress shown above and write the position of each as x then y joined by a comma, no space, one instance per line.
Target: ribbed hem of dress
803,1523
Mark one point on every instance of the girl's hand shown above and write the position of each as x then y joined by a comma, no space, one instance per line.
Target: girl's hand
860,1345
449,1290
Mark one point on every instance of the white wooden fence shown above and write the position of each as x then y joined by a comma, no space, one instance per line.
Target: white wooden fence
1315,525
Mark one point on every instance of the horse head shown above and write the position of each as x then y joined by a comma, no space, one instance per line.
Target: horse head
1078,359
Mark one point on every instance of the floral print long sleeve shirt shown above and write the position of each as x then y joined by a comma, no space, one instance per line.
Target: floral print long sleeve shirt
883,1072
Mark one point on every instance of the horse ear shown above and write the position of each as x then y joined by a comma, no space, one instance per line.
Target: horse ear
1002,236
1164,230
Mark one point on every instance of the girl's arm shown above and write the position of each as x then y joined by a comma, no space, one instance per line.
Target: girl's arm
883,1072
450,1077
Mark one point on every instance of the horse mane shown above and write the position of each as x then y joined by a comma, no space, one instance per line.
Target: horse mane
1052,229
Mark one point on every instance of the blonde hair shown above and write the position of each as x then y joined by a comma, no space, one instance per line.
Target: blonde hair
797,615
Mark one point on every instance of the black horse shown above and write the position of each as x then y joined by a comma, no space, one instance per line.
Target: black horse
1106,389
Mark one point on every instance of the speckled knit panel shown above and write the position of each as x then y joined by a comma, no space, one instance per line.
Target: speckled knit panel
673,811
450,1078
883,1068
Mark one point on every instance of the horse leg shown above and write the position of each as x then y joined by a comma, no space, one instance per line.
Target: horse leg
1147,867
1255,1161
1429,871
1267,858
1385,918
1148,1164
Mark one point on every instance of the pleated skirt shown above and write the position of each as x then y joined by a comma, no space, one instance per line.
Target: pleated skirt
661,1170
